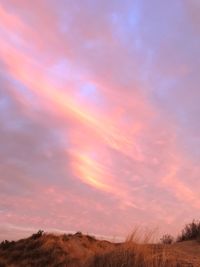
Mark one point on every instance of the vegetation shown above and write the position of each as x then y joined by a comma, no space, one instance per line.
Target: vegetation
79,250
191,231
38,234
167,239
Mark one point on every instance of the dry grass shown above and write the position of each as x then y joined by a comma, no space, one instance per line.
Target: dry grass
84,251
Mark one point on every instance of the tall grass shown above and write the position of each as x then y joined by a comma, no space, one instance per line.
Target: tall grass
136,251
78,250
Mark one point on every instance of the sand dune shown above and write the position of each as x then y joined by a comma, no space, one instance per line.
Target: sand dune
80,250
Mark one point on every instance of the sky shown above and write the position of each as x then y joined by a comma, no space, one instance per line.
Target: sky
99,116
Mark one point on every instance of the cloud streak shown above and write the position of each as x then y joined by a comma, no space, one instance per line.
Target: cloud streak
97,125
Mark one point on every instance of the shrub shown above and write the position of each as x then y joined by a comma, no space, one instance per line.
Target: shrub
191,231
65,237
78,234
91,238
6,244
167,239
37,235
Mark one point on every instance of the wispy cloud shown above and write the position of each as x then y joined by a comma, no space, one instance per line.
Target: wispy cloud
99,114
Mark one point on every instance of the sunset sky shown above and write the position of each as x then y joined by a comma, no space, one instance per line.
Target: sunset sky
99,115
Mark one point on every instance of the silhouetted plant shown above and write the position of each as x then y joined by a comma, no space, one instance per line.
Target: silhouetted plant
78,234
91,238
167,239
65,237
6,244
38,234
191,231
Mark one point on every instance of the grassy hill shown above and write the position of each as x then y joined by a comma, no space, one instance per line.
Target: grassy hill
80,250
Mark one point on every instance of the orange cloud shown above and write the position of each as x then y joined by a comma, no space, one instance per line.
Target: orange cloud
90,172
124,148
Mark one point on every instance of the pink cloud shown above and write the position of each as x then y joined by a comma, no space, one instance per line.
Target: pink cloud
112,150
